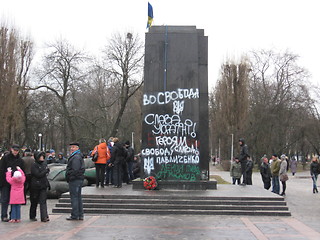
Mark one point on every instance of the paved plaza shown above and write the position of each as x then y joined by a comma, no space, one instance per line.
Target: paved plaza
303,224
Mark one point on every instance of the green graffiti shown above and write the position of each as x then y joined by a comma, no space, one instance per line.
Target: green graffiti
179,172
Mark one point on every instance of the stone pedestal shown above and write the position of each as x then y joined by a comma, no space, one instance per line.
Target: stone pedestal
175,106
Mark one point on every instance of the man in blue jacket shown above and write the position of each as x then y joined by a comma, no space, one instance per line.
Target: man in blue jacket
75,176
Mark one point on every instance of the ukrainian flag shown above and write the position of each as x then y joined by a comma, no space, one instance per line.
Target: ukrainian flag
150,15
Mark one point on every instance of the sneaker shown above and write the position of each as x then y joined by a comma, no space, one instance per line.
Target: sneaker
33,219
12,221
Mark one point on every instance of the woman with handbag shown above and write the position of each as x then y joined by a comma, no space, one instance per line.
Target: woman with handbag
101,161
283,173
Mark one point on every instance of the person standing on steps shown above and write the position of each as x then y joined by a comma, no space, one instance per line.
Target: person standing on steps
275,168
100,165
235,171
243,158
283,173
265,172
249,167
118,157
75,176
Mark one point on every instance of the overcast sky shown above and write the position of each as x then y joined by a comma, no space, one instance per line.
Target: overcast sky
233,27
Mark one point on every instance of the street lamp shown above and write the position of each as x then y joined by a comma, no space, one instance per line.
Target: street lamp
132,139
231,147
40,135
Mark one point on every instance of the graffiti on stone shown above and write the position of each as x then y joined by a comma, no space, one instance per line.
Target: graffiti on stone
171,142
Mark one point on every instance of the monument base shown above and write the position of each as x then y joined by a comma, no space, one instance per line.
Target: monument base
178,185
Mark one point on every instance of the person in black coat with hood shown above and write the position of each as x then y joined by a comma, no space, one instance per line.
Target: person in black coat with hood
38,188
118,158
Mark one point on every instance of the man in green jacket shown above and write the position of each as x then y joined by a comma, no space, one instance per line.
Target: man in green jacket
275,168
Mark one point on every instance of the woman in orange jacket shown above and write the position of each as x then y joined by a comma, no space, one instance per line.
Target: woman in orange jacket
103,156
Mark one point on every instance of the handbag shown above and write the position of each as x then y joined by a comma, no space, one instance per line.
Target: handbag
95,156
284,178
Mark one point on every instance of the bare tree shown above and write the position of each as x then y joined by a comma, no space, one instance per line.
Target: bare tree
61,74
230,104
124,62
15,59
279,101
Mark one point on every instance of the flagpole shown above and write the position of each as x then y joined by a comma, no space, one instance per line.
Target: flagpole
165,59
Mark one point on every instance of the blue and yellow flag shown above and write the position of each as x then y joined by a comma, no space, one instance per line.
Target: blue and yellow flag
150,15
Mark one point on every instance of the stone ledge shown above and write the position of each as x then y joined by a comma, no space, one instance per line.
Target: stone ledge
179,185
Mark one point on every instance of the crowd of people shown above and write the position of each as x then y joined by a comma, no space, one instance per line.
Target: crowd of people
273,171
18,176
116,163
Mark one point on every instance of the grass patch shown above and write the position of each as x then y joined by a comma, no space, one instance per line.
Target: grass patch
219,179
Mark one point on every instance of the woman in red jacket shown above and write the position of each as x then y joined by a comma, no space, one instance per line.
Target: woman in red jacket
103,157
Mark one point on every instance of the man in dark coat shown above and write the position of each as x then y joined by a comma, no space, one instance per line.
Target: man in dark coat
75,176
118,157
130,159
28,160
13,160
243,157
265,172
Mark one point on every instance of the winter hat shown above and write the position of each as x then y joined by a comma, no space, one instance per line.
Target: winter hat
37,155
263,157
17,174
283,156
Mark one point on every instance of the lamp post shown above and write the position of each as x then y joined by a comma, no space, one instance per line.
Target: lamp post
39,135
231,147
132,140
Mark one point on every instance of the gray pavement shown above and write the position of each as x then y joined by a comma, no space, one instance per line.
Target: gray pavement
304,223
303,204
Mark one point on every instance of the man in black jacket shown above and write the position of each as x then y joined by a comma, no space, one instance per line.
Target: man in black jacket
130,159
243,157
75,176
12,160
265,172
118,157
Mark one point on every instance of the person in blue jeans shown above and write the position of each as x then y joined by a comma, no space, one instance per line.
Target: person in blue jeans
75,176
314,172
275,168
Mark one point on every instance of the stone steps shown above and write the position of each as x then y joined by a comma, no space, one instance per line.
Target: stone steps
176,204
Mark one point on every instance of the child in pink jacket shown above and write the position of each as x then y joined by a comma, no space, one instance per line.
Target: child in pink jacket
17,192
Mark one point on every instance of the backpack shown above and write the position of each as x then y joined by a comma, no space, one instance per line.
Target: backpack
95,156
